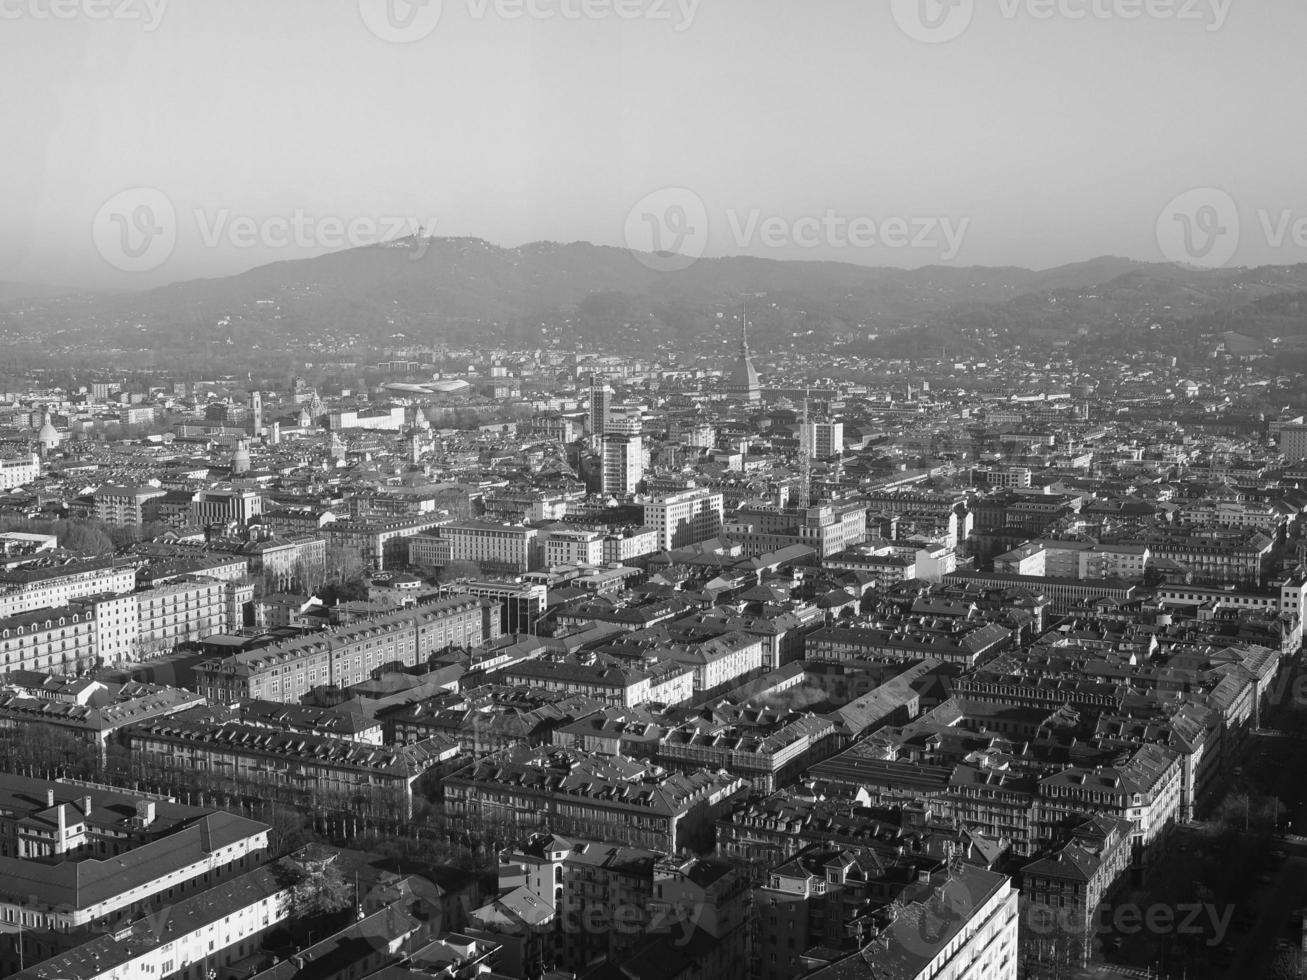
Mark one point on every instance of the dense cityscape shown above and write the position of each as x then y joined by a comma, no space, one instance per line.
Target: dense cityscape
550,664
653,490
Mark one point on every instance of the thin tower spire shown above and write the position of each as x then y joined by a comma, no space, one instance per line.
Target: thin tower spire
805,459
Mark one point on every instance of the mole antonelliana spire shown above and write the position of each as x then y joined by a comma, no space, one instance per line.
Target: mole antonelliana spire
744,386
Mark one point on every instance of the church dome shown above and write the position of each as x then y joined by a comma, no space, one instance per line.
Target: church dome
48,437
240,459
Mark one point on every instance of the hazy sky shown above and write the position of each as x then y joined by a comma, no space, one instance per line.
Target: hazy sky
1044,132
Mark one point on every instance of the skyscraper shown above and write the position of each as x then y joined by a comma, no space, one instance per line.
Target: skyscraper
601,399
744,386
821,440
623,464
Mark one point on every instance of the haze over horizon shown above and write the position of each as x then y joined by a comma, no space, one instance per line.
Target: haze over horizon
829,130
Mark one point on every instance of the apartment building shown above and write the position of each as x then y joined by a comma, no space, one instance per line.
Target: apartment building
117,625
1285,596
821,440
606,679
826,528
497,548
347,655
1076,560
297,768
226,505
1145,791
180,611
623,464
623,545
718,660
1062,594
19,471
963,643
429,551
617,901
379,419
295,562
203,932
575,793
1236,557
1293,442
381,545
686,518
124,506
769,757
833,912
45,583
565,546
1063,891
86,709
59,640
78,860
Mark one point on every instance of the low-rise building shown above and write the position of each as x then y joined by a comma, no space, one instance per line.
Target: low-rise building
603,797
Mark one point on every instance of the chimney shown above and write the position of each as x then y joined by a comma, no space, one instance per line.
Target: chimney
59,843
49,797
86,807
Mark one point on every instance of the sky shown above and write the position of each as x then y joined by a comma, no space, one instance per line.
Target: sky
149,141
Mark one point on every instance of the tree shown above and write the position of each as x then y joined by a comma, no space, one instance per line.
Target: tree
317,887
309,576
1285,965
289,829
458,569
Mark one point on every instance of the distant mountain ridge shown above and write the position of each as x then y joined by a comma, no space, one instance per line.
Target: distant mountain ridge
460,291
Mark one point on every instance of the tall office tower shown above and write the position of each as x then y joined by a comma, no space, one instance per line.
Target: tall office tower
601,400
623,464
821,440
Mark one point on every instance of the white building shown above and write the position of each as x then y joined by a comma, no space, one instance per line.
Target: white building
1293,442
623,464
685,518
822,439
117,626
500,547
38,587
565,546
20,471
